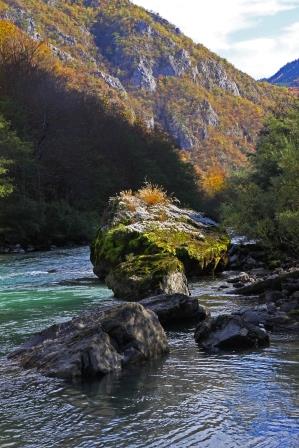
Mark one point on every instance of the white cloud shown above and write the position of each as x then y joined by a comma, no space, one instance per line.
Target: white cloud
212,22
263,57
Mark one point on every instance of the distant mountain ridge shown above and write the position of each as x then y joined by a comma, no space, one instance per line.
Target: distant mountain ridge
288,75
211,110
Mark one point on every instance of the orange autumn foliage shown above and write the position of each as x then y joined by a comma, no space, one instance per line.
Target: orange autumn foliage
213,180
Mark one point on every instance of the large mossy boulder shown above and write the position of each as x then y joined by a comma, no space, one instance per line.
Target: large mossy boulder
147,243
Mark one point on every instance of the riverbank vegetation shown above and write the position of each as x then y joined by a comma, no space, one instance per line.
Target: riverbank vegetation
263,201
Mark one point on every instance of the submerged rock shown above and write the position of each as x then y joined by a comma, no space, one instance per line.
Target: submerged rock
147,244
95,343
230,333
176,308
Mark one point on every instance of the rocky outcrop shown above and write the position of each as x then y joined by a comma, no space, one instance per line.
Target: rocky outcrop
95,343
186,134
143,27
213,74
143,77
22,19
112,81
228,332
176,309
179,132
174,65
147,244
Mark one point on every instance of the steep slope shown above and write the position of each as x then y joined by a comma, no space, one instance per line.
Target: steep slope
66,145
212,111
288,75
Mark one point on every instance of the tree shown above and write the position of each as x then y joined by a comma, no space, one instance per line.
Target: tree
263,202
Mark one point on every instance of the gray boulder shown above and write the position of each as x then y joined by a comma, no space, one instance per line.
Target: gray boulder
95,343
230,333
176,308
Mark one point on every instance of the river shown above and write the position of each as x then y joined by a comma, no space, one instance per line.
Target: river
186,399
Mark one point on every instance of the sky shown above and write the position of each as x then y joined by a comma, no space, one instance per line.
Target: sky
257,36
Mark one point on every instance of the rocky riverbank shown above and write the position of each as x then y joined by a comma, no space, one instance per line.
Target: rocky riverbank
19,249
146,249
108,339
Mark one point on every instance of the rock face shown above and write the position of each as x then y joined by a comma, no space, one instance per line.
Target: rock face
143,78
95,344
110,80
180,132
229,333
174,65
213,74
176,309
145,248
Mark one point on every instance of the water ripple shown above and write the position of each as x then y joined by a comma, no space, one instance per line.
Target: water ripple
186,399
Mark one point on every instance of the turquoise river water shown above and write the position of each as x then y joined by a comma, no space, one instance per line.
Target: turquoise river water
186,399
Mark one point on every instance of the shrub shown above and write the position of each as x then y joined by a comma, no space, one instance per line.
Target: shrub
153,195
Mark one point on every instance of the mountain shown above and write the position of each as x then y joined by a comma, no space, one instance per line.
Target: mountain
67,145
288,75
138,62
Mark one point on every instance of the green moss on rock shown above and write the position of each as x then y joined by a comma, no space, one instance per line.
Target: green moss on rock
134,242
144,275
196,253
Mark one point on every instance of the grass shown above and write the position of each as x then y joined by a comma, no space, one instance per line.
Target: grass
152,194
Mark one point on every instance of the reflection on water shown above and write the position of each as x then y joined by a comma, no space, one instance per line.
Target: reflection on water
186,399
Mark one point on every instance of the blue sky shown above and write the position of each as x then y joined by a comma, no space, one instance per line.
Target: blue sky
257,36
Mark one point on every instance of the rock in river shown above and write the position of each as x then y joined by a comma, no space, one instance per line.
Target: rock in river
176,308
95,343
146,245
230,333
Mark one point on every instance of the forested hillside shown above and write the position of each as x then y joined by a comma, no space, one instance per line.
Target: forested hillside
64,150
288,75
98,97
211,110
